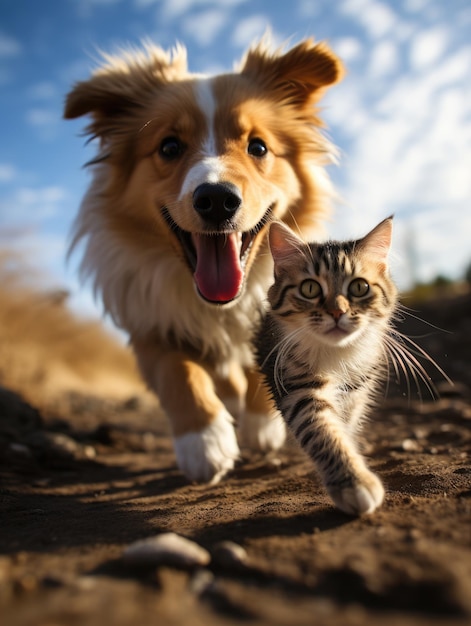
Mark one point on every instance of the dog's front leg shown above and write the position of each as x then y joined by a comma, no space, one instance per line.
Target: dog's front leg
262,428
204,437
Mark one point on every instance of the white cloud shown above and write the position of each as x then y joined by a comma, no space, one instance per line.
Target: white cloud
9,46
413,6
377,18
250,29
205,26
428,47
455,68
343,107
45,121
308,9
7,173
45,90
32,205
174,9
409,150
384,59
349,49
41,117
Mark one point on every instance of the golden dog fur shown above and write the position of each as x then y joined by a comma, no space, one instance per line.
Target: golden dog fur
190,170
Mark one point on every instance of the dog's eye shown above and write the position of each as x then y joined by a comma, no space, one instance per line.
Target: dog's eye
170,148
257,148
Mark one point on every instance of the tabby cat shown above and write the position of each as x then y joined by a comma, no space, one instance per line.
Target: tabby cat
322,348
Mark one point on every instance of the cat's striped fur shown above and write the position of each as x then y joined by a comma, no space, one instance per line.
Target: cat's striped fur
322,348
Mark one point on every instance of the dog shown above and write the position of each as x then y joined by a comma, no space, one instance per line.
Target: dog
189,172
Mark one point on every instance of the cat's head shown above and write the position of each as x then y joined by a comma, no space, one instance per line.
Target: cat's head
336,289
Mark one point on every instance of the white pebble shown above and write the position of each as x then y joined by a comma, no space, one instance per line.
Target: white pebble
229,554
410,445
166,549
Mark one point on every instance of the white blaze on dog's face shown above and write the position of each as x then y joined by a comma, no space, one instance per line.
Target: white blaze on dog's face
207,162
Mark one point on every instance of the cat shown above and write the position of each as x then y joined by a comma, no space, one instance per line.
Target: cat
322,347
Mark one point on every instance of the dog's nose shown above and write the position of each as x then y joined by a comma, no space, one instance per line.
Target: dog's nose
216,202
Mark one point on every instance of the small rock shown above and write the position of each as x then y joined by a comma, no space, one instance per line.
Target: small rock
89,452
421,432
410,445
85,583
55,444
229,554
447,428
20,449
274,463
166,549
201,582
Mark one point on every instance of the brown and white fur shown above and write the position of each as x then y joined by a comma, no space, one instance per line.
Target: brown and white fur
189,172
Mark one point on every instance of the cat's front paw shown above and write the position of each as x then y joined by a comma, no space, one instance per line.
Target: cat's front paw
207,455
364,495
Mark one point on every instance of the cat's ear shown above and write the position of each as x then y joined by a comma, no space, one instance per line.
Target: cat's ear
377,243
284,244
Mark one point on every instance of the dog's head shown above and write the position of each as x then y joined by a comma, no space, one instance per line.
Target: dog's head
210,161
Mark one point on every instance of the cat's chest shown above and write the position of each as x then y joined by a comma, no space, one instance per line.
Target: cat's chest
343,368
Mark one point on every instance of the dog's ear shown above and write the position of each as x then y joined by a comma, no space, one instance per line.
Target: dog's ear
299,76
120,85
103,95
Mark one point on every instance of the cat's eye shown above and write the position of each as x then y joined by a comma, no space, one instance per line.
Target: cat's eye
310,288
257,148
358,288
171,148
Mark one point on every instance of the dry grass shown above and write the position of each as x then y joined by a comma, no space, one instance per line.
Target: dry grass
45,350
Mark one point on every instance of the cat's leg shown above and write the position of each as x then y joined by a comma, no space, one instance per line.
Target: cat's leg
203,433
261,428
360,492
353,488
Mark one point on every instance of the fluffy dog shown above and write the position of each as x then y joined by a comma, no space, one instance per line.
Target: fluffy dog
189,172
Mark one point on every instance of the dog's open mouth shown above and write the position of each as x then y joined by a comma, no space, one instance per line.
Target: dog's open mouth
217,260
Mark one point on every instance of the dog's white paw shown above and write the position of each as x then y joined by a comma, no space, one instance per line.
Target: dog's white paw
207,455
365,495
261,432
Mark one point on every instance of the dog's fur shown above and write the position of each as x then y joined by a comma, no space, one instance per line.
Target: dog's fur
189,171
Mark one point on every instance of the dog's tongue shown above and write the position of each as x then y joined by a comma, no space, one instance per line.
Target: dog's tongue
218,274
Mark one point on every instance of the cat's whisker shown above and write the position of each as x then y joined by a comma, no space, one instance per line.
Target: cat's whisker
388,363
414,366
419,351
401,308
401,364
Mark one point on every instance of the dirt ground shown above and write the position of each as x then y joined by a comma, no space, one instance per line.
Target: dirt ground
85,477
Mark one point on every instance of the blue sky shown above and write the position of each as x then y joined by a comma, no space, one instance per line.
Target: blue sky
401,118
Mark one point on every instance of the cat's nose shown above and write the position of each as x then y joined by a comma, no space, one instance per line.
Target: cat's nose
336,313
